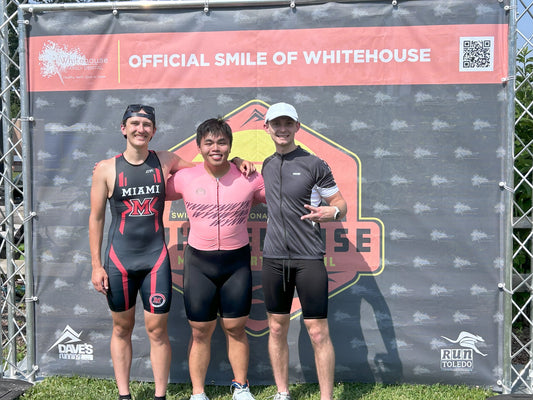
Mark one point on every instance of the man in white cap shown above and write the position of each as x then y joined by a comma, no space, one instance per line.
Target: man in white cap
296,183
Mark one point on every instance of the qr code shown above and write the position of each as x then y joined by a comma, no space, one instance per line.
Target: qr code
477,54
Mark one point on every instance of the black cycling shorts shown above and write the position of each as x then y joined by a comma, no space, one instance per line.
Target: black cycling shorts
217,281
281,276
151,279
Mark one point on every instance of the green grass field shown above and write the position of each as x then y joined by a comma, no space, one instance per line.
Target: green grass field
80,388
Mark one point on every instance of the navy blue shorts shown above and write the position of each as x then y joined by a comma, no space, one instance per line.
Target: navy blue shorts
280,278
217,282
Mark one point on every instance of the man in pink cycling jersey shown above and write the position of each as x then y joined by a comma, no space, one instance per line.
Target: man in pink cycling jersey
136,260
217,274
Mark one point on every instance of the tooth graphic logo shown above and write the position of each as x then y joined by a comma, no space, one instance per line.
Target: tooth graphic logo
354,246
62,61
461,359
70,346
56,59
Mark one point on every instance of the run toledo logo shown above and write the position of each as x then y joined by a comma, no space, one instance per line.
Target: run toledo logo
354,246
71,347
461,359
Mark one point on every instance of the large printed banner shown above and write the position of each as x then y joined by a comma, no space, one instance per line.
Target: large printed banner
305,57
407,104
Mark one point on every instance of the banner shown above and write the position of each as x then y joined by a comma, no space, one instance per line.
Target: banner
405,103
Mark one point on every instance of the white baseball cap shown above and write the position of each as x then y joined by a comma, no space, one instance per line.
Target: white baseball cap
281,110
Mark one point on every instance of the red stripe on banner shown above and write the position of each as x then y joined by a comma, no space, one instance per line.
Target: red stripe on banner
124,273
300,57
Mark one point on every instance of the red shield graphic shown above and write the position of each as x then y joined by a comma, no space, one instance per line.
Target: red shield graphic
354,246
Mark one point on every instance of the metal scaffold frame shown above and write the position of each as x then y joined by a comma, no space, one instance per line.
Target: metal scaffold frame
16,279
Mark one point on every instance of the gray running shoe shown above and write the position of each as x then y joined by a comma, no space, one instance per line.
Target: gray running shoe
282,396
201,396
241,392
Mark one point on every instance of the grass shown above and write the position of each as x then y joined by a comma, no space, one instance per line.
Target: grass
68,388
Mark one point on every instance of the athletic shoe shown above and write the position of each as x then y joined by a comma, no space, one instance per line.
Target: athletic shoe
282,396
201,396
241,392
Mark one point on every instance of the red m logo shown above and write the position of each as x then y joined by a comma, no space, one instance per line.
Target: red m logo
140,208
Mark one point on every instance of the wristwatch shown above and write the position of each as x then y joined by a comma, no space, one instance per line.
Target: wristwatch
337,212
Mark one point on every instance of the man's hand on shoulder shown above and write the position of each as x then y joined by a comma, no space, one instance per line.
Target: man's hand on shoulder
246,167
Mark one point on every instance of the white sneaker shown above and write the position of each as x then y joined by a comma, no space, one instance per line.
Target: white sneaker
282,396
241,392
201,396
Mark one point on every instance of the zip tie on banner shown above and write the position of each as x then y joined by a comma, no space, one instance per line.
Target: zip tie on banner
394,2
499,382
502,287
206,6
293,4
34,369
508,78
503,186
508,7
32,215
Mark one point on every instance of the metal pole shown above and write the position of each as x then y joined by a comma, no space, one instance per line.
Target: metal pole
28,201
8,198
165,4
3,45
508,227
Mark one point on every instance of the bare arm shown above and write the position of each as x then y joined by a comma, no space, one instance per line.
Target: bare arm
327,213
171,162
99,194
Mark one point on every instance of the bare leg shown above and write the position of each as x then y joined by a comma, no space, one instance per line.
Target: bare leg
237,344
160,350
278,349
324,355
123,323
200,353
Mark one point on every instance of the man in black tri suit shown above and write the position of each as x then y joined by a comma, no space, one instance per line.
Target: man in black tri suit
296,183
136,258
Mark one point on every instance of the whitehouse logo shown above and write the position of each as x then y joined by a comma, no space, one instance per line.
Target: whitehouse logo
461,359
71,347
57,60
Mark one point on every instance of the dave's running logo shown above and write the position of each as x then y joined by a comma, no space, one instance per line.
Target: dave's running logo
461,359
71,347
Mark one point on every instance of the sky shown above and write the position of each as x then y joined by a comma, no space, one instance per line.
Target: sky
525,25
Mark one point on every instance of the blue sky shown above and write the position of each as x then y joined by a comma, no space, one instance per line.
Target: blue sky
525,25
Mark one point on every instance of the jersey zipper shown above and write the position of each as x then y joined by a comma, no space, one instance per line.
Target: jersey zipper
281,206
218,216
286,270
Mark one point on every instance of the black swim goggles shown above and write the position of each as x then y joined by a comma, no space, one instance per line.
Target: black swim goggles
133,110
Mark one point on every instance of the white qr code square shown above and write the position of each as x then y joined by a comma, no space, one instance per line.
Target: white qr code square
476,54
